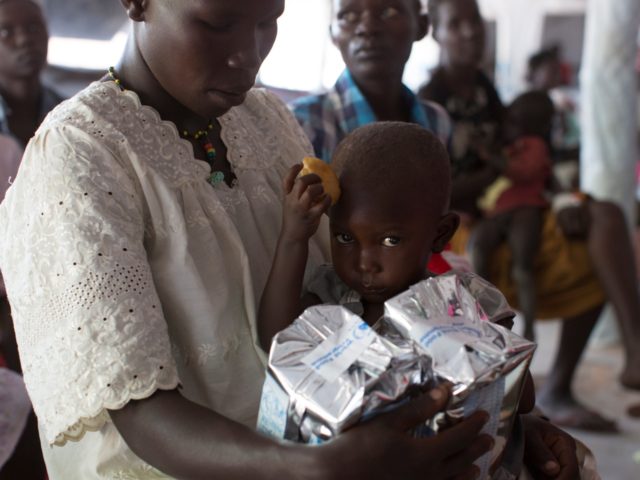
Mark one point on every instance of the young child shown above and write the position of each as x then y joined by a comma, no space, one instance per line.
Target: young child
391,215
514,205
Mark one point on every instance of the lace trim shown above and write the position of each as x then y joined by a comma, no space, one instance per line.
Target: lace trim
95,422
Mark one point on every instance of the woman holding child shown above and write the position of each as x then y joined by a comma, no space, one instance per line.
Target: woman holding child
135,242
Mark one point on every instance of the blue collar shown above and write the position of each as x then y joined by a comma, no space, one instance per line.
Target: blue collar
361,112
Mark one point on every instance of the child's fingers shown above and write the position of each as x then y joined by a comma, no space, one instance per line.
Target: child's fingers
550,451
312,194
321,206
565,464
301,184
290,178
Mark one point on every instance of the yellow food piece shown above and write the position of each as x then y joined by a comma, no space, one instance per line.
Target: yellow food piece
329,178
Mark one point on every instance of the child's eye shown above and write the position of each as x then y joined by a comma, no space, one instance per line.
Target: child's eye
348,17
5,32
343,238
216,26
390,241
388,13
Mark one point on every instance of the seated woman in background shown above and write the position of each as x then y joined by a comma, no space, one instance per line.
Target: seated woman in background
24,100
574,269
513,205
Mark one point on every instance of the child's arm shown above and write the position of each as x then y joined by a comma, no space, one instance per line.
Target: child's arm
304,204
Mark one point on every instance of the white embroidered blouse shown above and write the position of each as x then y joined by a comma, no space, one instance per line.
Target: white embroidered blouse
127,272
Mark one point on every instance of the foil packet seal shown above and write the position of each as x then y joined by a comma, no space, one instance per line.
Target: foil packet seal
329,370
486,363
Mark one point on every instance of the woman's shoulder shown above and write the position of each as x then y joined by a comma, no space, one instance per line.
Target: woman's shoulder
98,104
116,124
90,120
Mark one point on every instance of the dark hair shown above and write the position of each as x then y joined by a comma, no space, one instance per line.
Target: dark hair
542,57
432,10
391,157
533,112
418,4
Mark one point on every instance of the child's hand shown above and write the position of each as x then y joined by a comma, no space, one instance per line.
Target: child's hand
304,203
383,447
572,215
549,452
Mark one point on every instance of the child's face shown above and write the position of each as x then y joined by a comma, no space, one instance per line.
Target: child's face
23,39
375,37
460,32
546,76
206,54
381,246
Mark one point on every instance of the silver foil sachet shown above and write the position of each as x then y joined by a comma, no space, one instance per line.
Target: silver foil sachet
486,363
329,369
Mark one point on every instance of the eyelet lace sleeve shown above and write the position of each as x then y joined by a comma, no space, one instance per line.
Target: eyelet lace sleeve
87,317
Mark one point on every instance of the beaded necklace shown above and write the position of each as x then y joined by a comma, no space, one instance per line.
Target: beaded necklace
202,136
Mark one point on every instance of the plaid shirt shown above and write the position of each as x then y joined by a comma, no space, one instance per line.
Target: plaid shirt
328,117
48,101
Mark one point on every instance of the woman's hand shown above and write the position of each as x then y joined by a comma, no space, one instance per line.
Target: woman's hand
549,452
383,448
305,202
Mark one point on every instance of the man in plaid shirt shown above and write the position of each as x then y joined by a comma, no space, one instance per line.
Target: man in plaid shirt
370,89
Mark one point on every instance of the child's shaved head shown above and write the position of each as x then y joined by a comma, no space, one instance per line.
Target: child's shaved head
392,213
388,158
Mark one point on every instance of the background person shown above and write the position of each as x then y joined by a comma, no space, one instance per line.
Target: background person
575,268
375,46
513,206
24,100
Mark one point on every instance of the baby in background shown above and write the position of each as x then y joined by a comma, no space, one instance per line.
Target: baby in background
514,204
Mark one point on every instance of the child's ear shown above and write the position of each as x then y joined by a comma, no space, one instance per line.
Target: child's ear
447,226
135,9
423,26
